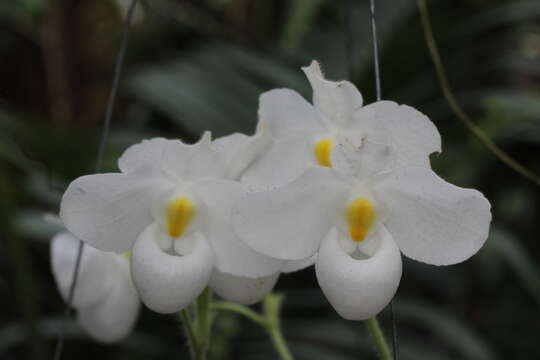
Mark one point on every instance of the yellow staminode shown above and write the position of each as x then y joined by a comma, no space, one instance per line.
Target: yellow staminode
323,149
179,215
360,217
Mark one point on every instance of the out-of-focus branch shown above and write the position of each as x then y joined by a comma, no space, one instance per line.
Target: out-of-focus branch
457,109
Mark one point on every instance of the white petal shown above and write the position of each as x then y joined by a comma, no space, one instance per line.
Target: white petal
337,100
109,211
365,162
231,255
358,288
192,162
284,162
286,113
431,220
240,151
147,152
289,223
113,318
411,134
242,290
169,283
290,266
93,281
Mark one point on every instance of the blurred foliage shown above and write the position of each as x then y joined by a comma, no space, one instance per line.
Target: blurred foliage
196,65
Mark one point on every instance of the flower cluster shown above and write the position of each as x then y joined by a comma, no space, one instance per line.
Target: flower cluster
337,184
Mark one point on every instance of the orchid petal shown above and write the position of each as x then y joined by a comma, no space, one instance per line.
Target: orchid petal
358,288
289,223
337,100
93,280
239,151
431,220
412,134
231,255
240,289
109,211
284,113
169,283
285,161
113,318
147,152
192,162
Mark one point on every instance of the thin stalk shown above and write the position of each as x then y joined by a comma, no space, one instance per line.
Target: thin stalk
279,343
190,332
457,109
269,320
203,324
240,310
272,309
99,163
374,328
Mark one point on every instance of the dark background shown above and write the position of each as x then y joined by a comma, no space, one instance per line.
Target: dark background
197,65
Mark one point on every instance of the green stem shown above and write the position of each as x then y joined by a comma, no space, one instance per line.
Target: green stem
279,343
203,324
272,308
241,310
380,342
190,333
269,320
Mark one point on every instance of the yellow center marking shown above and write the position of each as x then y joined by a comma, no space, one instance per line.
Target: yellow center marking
179,215
360,217
323,149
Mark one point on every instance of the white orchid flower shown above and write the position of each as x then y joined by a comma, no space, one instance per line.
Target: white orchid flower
171,204
303,135
357,216
106,301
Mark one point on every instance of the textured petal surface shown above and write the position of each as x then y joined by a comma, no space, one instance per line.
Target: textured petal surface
147,152
284,162
358,288
231,255
337,100
289,223
109,211
411,134
286,113
94,280
113,318
191,162
168,283
239,151
242,290
364,162
431,220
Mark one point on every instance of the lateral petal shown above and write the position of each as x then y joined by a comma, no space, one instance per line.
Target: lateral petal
109,211
431,220
231,255
289,223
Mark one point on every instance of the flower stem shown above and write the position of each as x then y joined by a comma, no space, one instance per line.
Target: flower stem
378,337
272,308
190,333
203,324
269,320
